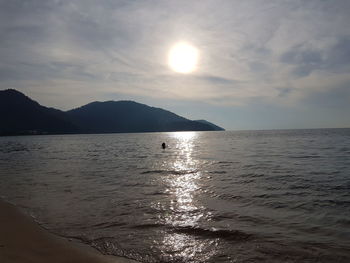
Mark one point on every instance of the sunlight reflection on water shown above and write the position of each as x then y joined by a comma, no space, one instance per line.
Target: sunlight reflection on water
185,209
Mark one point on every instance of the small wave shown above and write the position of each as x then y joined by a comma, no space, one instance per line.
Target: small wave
218,172
147,226
305,156
343,221
295,187
323,204
250,166
110,246
15,149
130,184
295,193
170,172
232,235
107,245
108,225
156,193
199,231
247,181
229,196
344,149
253,175
341,187
225,164
345,203
267,196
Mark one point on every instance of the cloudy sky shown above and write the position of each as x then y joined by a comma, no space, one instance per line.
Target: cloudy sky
262,64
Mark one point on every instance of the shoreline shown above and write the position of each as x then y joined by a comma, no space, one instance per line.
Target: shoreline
23,240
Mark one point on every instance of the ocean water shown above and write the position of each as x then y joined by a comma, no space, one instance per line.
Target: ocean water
244,196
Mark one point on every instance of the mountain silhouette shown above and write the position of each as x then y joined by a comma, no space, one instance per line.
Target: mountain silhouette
21,115
215,127
130,116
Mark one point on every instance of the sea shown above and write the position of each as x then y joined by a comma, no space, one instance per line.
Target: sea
234,196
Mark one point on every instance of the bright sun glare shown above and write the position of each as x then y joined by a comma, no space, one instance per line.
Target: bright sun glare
183,57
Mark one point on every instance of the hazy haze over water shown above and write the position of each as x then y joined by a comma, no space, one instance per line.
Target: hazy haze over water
209,197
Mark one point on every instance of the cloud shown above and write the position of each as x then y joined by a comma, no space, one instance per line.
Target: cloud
284,91
307,59
215,80
337,98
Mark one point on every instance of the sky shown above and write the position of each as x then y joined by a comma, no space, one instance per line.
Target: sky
275,64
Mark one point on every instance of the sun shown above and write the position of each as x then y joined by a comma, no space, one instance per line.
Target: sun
183,57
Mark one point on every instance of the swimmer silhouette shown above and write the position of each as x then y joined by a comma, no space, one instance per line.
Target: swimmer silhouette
163,145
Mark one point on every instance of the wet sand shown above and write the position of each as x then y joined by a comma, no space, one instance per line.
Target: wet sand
24,241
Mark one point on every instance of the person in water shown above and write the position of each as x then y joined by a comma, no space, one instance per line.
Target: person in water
163,145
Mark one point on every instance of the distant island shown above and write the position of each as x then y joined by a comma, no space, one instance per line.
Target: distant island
20,115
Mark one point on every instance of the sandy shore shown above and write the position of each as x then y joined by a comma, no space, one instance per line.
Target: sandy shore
24,241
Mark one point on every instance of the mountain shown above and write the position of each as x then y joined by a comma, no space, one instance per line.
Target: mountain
215,127
21,115
130,116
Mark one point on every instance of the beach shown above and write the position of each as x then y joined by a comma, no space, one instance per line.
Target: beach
23,240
